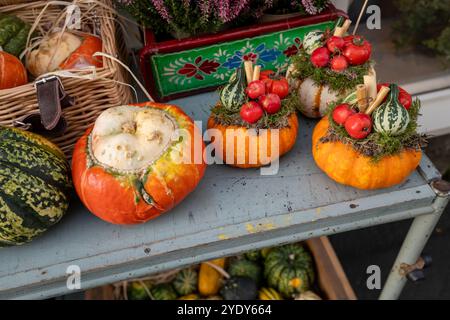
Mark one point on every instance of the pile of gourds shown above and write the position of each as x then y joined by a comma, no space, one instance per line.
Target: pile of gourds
284,272
54,51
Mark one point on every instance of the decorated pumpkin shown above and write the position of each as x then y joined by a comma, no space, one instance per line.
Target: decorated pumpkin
13,34
243,156
12,71
34,186
63,51
289,269
185,282
345,165
137,162
320,74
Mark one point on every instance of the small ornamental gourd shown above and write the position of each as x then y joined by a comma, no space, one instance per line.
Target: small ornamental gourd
34,186
269,294
13,34
239,288
163,291
209,279
312,41
232,95
137,162
245,268
391,118
185,281
289,269
137,290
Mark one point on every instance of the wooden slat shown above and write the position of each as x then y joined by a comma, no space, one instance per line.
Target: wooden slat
331,276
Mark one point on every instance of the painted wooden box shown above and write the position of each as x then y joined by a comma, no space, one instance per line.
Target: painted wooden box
177,68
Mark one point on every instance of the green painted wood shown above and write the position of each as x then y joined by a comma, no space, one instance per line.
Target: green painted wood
213,65
231,211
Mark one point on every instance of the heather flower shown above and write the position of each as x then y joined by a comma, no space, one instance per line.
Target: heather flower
310,7
162,10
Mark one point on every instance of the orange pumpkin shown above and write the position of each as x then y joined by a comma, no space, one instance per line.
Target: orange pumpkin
241,151
83,54
345,165
133,165
12,71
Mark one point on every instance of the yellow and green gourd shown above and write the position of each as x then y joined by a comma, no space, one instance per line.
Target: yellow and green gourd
391,118
34,186
13,34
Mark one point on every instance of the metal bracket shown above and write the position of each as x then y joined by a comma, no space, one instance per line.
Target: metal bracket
441,187
414,272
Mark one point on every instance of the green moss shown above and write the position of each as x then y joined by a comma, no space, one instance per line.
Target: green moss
268,121
337,81
378,145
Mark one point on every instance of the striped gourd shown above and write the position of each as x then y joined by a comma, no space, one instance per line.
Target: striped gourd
312,41
391,117
289,269
185,281
232,95
34,185
351,99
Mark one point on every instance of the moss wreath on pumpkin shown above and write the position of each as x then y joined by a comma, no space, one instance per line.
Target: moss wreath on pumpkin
384,156
252,110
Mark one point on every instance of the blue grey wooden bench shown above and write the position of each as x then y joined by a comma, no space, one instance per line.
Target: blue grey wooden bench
231,211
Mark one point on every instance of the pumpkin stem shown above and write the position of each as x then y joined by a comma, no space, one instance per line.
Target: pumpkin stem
291,257
129,127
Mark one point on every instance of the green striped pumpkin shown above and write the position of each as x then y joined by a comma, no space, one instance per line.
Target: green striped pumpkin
13,34
185,281
289,269
34,185
232,95
391,117
312,41
163,291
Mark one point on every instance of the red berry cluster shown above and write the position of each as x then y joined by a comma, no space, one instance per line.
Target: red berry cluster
340,52
266,94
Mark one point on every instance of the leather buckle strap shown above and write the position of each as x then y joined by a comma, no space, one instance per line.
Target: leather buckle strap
52,98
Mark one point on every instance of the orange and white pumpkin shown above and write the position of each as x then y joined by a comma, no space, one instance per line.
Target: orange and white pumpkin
137,162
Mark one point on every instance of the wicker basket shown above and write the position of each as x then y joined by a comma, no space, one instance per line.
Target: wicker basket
92,96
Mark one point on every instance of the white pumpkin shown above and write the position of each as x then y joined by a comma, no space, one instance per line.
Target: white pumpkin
52,51
314,98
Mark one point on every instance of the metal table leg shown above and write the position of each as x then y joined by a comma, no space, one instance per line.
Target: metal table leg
412,247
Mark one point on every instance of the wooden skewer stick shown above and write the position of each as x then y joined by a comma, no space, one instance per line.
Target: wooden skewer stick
340,31
363,10
370,81
361,96
248,65
256,72
380,97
